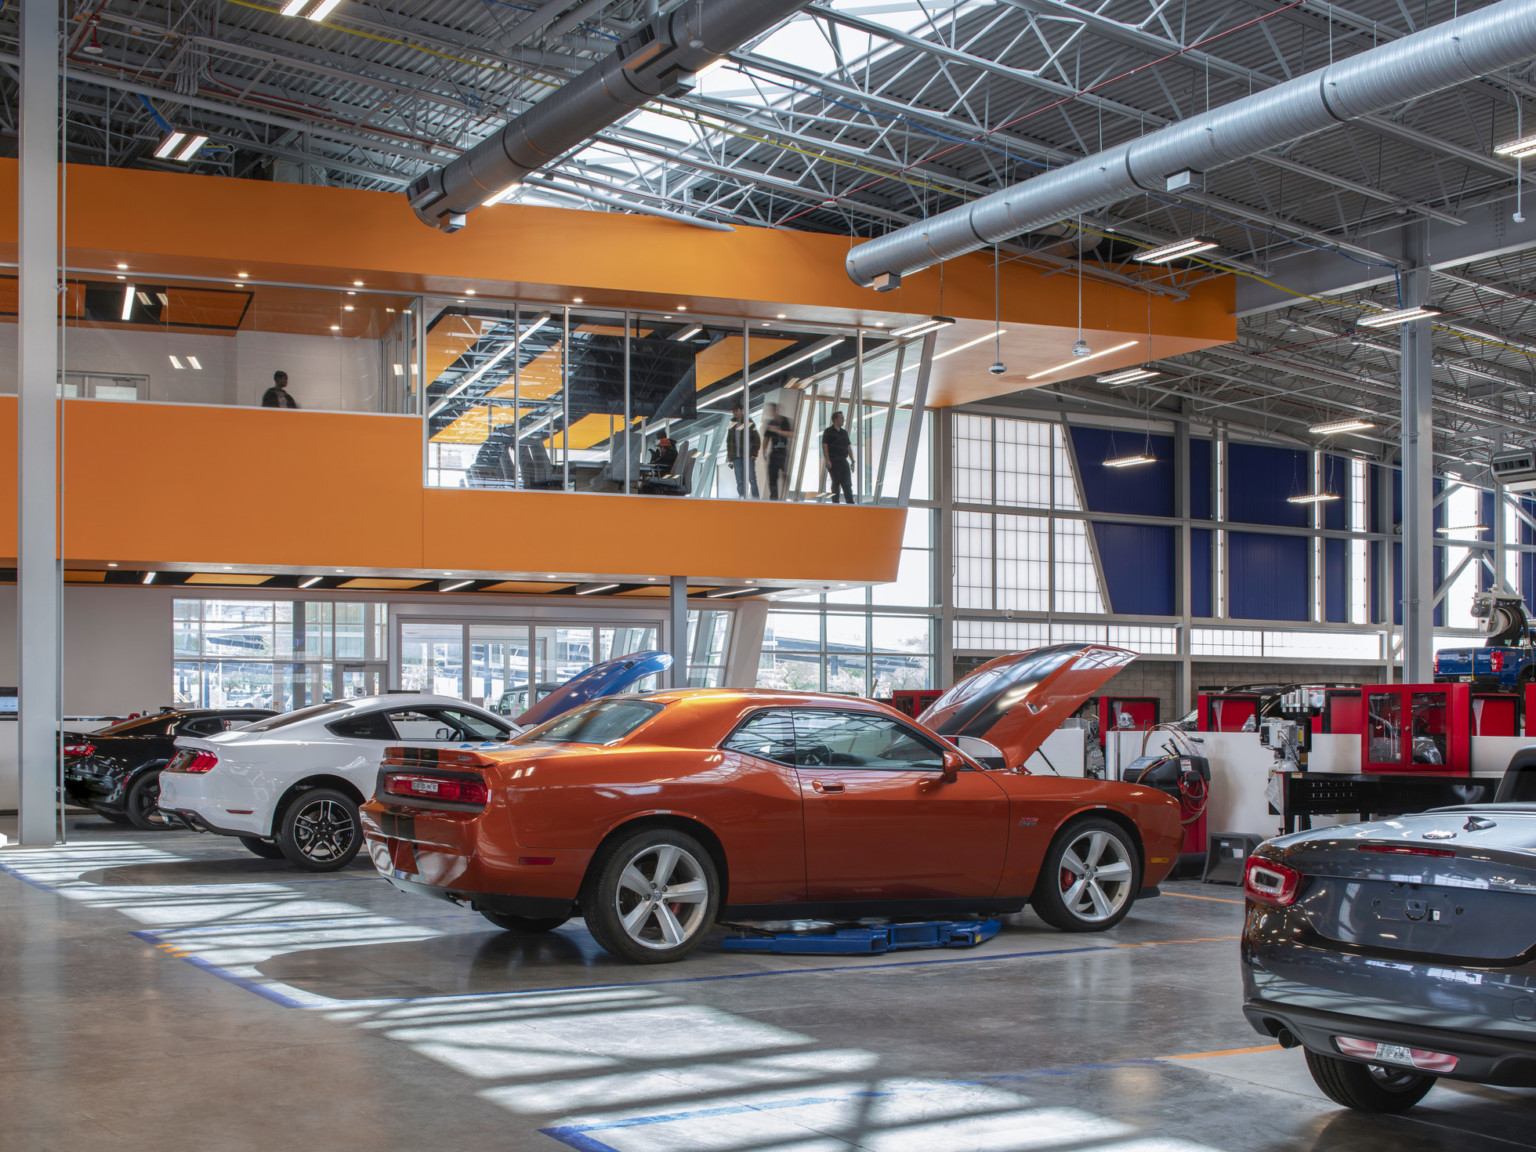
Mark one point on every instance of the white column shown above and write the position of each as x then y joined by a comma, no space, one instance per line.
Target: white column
37,568
1418,475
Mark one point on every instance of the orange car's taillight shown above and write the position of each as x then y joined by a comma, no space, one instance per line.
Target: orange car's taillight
454,790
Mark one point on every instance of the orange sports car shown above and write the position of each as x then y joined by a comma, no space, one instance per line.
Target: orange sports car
652,816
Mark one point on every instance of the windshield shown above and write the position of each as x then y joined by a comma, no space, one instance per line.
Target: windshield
294,717
142,726
601,722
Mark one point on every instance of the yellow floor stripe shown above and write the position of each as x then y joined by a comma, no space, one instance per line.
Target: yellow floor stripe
1192,896
1225,1052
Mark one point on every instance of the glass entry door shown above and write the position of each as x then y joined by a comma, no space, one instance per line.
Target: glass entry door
359,679
432,658
498,656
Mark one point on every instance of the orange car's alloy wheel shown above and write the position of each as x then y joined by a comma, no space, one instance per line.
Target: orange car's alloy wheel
661,897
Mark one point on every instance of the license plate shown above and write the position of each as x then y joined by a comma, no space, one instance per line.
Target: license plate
425,786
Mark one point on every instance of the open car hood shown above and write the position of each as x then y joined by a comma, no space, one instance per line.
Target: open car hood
606,679
1016,701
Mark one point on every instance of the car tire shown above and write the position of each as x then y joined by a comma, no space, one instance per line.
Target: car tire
620,899
320,830
1089,878
1367,1087
266,849
524,925
143,801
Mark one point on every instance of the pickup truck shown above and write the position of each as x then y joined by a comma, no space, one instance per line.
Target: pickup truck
1507,660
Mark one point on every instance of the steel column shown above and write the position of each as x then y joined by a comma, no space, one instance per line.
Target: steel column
37,362
677,638
1418,471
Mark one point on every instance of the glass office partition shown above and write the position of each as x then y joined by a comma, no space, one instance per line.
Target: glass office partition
581,399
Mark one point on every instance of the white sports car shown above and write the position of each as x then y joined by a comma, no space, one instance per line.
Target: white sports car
290,785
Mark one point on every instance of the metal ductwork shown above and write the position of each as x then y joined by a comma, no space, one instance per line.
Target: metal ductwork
661,58
1499,36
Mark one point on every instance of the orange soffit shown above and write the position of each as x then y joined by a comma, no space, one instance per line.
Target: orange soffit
141,509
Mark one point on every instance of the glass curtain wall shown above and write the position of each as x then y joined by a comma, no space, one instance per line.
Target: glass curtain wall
571,398
179,340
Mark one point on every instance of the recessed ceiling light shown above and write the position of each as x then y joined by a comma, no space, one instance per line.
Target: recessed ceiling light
111,564
576,300
682,307
357,283
781,316
341,569
335,327
243,275
122,277
469,291
124,267
350,292
229,567
348,308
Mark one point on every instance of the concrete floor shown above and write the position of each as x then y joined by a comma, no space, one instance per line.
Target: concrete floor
170,991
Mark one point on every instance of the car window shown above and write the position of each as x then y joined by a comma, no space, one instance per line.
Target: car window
201,726
364,726
471,725
769,735
860,740
294,717
420,724
600,722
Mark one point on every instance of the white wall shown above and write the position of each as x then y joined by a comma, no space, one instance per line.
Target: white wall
324,372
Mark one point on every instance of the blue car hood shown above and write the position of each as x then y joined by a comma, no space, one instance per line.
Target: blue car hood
606,679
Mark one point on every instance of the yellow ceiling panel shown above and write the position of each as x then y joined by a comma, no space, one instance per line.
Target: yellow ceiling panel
249,579
661,590
383,584
526,587
83,577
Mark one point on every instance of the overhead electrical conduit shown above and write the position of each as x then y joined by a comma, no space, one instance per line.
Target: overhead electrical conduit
662,58
1499,36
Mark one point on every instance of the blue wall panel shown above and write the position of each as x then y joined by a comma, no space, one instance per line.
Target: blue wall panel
1267,576
1336,479
1143,490
1138,567
1335,582
1260,481
1200,545
1200,456
1397,583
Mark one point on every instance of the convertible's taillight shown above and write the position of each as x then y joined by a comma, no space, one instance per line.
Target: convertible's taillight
454,790
79,749
200,763
1269,882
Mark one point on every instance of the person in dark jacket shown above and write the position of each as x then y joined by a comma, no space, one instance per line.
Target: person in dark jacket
836,453
663,457
743,435
779,432
278,396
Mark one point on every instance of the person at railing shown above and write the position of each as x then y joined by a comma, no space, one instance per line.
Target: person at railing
778,432
742,444
836,454
278,395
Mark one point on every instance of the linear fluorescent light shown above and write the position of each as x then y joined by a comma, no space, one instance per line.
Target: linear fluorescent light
1397,316
489,364
311,582
595,589
149,577
689,333
1081,359
932,324
169,145
1332,426
293,7
960,348
727,593
1516,148
322,10
1465,528
815,350
1312,498
1130,461
128,302
176,364
1127,376
1176,250
195,362
193,147
455,587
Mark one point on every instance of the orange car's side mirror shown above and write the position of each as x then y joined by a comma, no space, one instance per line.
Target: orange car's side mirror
952,766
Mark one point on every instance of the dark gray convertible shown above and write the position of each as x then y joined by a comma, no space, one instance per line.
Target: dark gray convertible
1398,951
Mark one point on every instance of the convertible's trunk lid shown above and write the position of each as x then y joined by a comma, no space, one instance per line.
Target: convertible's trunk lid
1016,701
1454,883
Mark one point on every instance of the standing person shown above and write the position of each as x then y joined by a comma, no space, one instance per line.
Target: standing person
779,432
278,396
742,435
836,453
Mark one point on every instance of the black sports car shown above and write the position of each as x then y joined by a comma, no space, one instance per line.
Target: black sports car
116,771
1398,951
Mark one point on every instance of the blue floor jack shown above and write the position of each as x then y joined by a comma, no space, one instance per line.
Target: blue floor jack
859,941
